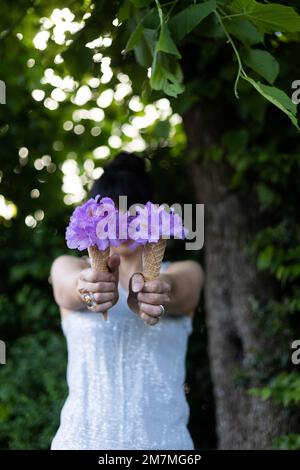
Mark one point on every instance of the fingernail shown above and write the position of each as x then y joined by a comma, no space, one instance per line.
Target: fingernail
136,286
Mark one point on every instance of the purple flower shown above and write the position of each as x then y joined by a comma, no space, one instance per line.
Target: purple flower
82,229
138,227
106,226
174,224
153,222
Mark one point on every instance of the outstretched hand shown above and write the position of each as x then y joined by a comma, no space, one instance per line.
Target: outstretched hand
146,297
103,285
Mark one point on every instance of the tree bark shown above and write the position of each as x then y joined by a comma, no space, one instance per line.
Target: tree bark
243,421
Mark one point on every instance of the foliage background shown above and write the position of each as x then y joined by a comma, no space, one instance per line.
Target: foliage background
41,134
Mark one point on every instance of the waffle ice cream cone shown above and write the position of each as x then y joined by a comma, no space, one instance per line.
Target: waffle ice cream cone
99,263
153,254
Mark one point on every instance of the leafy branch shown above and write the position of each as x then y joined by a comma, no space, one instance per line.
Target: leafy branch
244,24
241,71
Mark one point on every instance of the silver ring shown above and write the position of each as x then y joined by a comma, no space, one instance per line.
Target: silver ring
89,300
162,311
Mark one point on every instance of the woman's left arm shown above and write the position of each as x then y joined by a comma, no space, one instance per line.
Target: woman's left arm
178,289
186,280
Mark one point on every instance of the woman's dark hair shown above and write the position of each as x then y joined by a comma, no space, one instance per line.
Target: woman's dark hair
125,175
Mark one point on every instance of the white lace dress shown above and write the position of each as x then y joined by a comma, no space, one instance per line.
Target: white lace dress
126,382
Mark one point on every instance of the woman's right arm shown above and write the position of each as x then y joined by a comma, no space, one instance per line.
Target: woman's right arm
72,276
65,272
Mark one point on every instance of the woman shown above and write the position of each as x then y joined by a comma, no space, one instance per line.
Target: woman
125,375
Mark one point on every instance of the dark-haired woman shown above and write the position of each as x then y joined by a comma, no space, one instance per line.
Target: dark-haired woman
125,375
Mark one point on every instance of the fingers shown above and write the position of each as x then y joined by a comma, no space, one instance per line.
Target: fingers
103,286
149,319
90,275
136,283
150,310
104,301
104,297
86,287
146,297
154,299
101,307
157,286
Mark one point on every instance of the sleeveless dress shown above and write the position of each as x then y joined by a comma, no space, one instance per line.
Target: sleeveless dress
126,382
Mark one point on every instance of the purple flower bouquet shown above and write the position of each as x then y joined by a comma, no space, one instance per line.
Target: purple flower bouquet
90,228
156,225
97,224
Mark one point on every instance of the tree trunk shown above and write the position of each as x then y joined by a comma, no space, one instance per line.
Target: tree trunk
243,421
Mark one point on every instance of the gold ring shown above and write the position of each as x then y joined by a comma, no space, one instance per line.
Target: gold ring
89,299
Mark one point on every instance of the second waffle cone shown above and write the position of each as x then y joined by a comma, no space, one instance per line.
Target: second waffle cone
153,254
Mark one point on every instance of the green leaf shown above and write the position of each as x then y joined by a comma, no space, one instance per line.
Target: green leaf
124,11
135,37
262,62
144,49
187,20
151,19
165,42
269,17
277,97
163,78
244,31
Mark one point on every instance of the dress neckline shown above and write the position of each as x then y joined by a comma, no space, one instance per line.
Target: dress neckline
122,289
